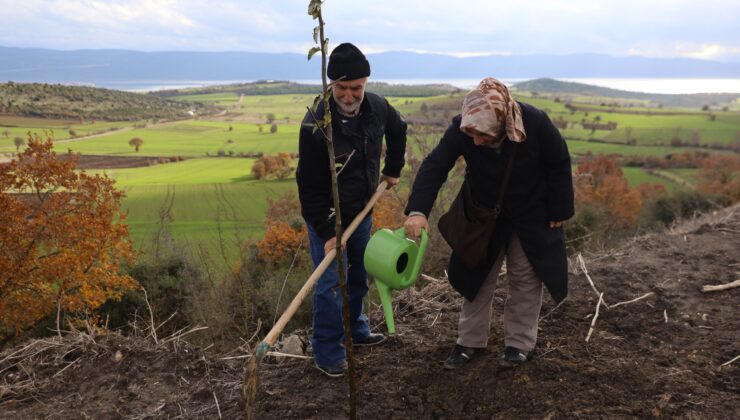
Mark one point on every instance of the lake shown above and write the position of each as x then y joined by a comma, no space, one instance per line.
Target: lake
650,85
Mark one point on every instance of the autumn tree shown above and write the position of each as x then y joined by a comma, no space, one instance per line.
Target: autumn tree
273,128
719,175
284,230
62,240
284,170
388,212
600,186
270,117
18,141
258,170
136,143
268,165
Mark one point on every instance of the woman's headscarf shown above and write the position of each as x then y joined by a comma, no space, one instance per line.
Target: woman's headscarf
490,109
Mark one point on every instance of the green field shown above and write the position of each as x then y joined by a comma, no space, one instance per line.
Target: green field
18,126
639,176
216,199
195,138
578,147
203,200
188,172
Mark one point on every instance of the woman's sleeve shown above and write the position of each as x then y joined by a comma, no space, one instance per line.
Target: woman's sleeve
434,170
558,172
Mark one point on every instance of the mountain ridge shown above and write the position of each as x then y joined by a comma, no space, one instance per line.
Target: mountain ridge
106,66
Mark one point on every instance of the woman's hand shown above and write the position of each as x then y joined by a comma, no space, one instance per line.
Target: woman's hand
414,224
556,224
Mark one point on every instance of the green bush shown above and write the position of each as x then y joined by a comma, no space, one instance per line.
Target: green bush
665,210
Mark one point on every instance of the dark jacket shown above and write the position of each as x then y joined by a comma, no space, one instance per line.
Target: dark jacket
540,190
360,173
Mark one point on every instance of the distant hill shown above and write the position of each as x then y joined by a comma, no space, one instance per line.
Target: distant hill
693,100
284,87
116,67
60,101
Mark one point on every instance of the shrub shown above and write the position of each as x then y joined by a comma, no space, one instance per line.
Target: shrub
665,210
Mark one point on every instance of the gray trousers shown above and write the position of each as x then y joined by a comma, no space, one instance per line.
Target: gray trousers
521,310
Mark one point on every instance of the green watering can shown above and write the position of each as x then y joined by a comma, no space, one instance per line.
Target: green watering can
394,261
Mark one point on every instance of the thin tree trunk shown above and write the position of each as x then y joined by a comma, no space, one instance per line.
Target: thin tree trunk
348,345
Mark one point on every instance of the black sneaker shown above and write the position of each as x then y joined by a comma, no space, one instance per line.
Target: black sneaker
336,371
512,356
371,340
459,356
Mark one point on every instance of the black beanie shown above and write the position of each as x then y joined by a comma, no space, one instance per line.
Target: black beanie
347,62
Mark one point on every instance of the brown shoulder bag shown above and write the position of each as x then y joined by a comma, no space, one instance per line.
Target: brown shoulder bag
468,227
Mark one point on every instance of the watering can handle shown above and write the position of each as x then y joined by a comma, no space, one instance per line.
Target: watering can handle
422,247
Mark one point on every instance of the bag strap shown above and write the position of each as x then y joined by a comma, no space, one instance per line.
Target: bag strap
504,183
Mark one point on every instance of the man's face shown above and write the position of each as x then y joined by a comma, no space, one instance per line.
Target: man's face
349,94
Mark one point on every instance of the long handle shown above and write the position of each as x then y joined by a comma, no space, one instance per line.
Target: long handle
272,336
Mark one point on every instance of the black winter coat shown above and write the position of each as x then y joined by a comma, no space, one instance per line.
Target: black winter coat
540,190
360,173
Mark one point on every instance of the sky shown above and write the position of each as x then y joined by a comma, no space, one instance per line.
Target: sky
708,29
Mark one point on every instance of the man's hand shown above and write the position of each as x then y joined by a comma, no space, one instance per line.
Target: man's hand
556,224
414,224
392,182
330,244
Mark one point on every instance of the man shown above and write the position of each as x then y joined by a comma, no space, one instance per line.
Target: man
528,233
359,121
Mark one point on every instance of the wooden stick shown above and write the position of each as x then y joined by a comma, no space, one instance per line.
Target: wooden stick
153,332
179,336
553,309
217,406
272,336
633,300
270,353
720,287
593,321
585,271
665,315
729,362
430,278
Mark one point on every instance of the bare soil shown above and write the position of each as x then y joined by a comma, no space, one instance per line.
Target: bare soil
657,357
116,162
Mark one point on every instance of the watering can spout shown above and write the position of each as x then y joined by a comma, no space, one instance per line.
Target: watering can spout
394,261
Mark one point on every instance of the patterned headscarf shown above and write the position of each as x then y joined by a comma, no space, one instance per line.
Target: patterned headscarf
487,107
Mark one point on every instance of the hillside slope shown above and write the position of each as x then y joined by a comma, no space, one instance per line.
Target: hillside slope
74,102
656,357
692,100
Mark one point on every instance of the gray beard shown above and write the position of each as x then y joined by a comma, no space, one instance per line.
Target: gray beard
349,110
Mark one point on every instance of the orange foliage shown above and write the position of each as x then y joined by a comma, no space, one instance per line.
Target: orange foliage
62,238
600,185
651,191
388,212
281,242
720,176
284,230
273,165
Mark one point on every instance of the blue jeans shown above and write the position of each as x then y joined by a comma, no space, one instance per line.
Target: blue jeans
328,327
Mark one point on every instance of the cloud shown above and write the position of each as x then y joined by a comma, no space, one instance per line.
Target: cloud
473,27
689,50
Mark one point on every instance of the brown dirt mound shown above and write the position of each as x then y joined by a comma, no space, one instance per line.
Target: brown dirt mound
656,357
115,162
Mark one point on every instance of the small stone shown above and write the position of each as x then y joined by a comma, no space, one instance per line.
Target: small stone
292,345
118,356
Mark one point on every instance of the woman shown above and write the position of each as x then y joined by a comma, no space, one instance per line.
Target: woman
528,232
